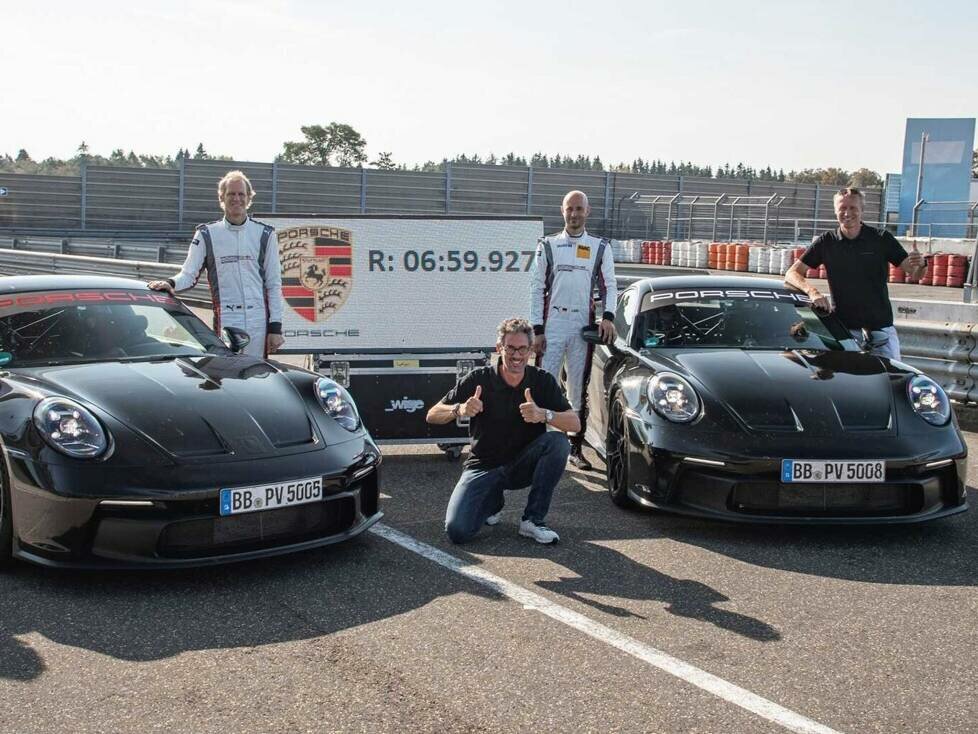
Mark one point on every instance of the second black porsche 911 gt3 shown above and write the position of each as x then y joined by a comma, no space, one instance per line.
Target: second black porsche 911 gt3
730,397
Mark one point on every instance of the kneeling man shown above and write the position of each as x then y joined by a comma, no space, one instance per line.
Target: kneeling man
509,407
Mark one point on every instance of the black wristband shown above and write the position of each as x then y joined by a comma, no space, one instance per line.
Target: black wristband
538,329
608,316
274,327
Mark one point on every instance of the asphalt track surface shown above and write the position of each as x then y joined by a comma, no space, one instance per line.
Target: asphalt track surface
849,629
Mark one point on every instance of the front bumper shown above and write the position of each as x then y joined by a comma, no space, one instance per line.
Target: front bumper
755,495
179,528
742,484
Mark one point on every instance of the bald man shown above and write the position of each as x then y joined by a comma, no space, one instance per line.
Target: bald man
571,269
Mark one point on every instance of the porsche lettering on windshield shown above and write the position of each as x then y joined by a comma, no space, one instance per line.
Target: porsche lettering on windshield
764,294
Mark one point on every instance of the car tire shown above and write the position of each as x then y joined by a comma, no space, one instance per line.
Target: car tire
6,521
616,456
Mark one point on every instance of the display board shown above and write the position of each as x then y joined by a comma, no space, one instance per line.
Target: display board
388,283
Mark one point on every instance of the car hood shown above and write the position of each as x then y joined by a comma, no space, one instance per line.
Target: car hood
232,406
818,392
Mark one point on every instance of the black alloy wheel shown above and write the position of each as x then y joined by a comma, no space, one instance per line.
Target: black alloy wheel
616,459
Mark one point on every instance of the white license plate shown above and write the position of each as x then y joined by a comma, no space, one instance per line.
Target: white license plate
237,500
796,470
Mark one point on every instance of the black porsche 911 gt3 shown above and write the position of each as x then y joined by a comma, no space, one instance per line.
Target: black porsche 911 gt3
730,397
132,436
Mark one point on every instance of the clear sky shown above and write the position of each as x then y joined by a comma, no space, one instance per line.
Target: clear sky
787,84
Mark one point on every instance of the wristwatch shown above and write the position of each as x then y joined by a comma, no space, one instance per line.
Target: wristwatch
549,416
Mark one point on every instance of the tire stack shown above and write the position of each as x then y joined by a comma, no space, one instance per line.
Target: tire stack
957,270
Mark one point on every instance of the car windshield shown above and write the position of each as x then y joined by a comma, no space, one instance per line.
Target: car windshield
719,322
66,327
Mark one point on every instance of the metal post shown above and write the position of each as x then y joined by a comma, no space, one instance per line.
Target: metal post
971,216
972,280
920,183
730,229
529,189
363,190
716,210
181,187
607,196
448,186
669,216
767,214
84,193
689,234
274,187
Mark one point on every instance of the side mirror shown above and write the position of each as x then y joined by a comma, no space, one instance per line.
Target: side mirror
591,335
237,339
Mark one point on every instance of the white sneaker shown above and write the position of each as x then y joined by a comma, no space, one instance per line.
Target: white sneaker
494,519
540,533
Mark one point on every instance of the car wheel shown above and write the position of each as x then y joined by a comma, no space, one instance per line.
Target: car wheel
6,521
616,459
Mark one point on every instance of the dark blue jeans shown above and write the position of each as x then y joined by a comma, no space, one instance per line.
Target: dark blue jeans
479,492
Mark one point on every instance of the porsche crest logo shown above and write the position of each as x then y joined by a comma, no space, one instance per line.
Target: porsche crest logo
317,269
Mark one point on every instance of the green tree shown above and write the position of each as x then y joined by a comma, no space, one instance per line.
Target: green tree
336,144
200,154
864,178
974,164
384,162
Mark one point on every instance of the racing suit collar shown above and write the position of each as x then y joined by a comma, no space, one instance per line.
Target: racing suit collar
234,227
575,236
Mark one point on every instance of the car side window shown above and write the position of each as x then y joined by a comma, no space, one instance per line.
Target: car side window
623,314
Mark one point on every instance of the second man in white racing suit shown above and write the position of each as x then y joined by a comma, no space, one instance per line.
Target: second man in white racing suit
570,268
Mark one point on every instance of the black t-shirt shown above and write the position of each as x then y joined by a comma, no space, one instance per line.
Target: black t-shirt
499,432
857,272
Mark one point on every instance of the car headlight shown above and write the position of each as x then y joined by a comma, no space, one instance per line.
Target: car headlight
929,400
337,403
673,398
70,428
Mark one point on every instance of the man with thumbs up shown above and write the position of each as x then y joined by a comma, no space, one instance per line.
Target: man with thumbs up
856,257
509,407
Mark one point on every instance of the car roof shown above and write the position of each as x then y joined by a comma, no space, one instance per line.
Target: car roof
672,282
22,283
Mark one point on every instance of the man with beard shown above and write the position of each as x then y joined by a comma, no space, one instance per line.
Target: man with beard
509,406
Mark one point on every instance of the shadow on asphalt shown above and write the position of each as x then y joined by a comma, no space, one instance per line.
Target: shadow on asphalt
596,568
158,614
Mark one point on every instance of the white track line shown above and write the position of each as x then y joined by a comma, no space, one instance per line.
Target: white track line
684,671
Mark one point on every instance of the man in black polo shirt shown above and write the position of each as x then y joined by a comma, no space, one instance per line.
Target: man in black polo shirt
856,257
509,407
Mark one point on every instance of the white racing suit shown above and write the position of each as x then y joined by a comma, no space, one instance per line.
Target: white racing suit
243,274
568,272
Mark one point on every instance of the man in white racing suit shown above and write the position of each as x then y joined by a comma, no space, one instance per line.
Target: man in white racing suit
569,268
240,256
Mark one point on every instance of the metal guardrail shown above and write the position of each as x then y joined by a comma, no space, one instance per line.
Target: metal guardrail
123,249
947,352
19,262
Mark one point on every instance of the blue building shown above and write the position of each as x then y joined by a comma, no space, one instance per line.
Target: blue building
946,182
